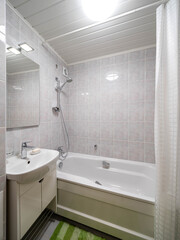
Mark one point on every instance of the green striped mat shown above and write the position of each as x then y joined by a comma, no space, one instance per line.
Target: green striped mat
65,231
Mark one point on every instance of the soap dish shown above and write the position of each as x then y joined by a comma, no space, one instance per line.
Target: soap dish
35,151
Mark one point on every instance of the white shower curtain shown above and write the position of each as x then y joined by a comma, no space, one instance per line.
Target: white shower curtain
167,122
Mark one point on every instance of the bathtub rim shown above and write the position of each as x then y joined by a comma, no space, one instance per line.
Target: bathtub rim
101,158
141,198
99,188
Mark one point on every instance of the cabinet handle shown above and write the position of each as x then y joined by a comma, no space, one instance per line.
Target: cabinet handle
41,180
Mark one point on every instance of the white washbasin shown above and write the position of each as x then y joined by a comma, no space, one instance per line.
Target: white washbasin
31,169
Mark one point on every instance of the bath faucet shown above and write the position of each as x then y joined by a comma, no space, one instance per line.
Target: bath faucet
105,165
61,151
24,147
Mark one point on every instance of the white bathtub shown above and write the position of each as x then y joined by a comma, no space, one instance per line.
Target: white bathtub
123,205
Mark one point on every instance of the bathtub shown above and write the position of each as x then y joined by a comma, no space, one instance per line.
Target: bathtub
118,201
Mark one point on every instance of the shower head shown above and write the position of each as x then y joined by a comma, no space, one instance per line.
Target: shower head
68,80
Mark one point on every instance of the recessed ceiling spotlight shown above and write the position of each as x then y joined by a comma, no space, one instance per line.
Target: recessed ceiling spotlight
14,50
112,77
99,10
26,47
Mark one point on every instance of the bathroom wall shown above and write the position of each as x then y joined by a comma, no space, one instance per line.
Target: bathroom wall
48,134
2,119
117,116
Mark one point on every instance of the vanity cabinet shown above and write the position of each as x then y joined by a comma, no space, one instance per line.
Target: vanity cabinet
47,183
27,201
30,207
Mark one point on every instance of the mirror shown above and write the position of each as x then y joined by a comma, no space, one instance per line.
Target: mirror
22,91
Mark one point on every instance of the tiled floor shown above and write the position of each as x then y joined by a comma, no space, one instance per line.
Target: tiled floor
52,226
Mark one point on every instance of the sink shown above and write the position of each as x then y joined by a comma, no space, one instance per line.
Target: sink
31,169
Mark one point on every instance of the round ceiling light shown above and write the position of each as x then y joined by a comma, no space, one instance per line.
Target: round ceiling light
99,10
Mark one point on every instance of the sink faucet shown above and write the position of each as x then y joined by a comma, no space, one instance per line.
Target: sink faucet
24,147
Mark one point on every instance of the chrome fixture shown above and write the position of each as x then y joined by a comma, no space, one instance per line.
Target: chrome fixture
105,165
24,147
62,154
61,151
95,147
57,109
68,80
60,165
59,89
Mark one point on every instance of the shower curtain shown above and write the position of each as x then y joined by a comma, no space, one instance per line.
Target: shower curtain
167,122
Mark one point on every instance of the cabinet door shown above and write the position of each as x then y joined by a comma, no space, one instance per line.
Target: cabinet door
30,207
49,188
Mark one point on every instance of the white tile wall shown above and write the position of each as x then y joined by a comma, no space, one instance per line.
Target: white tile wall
118,115
48,133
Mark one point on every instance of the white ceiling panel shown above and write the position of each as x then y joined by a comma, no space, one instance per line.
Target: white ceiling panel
56,10
64,25
124,46
104,43
107,40
71,21
28,9
110,32
58,19
17,3
133,19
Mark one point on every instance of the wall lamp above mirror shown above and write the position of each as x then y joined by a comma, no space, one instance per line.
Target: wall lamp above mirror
26,47
13,50
23,46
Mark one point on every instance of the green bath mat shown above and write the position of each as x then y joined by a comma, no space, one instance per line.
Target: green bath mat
65,231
